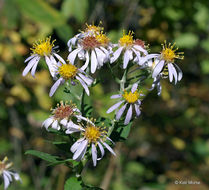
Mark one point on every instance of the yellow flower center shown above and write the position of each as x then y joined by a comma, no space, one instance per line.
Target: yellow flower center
92,133
127,40
94,29
169,53
102,39
68,71
43,47
131,97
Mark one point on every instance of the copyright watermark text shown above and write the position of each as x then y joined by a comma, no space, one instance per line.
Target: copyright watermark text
186,182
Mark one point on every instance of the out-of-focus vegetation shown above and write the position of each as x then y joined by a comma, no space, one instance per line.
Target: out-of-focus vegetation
169,142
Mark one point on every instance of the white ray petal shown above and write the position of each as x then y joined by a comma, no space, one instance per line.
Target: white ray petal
126,58
174,73
109,148
100,56
87,80
6,180
72,55
128,115
74,147
83,84
64,122
93,61
30,64
81,150
170,72
31,57
180,74
47,123
120,112
101,150
33,70
134,87
158,68
116,55
139,48
138,112
87,62
59,58
115,106
55,86
94,154
116,96
55,125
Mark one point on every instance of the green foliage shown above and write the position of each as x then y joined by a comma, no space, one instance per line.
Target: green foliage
42,155
121,131
73,183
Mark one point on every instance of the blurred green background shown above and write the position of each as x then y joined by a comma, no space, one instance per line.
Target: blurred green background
170,141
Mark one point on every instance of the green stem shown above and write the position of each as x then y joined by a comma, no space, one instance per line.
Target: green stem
82,101
111,127
123,80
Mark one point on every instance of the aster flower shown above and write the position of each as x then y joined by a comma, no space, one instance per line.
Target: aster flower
94,47
63,115
131,99
164,63
133,49
42,48
6,174
90,30
68,71
93,137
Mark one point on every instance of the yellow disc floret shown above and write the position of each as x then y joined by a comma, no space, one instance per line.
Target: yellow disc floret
169,53
43,47
127,39
68,71
131,97
92,133
102,39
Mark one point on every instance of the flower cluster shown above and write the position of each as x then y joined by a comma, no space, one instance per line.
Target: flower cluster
60,70
90,50
68,118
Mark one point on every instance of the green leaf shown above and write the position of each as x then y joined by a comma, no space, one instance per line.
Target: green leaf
40,11
87,110
125,131
75,8
42,155
121,132
187,40
73,183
